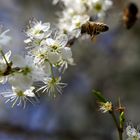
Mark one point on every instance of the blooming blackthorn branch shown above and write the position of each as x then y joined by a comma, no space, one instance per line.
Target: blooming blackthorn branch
48,51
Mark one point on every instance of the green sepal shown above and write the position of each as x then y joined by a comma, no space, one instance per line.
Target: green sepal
99,96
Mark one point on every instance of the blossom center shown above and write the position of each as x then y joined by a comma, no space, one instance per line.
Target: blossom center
20,93
26,70
98,7
54,47
38,32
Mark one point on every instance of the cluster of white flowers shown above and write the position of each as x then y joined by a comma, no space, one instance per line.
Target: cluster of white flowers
47,58
48,52
78,12
132,133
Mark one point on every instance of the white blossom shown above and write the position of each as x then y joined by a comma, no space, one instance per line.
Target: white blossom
20,81
52,86
28,67
27,74
66,54
78,5
132,133
105,107
71,22
54,47
48,53
78,12
53,51
38,31
19,96
99,7
4,61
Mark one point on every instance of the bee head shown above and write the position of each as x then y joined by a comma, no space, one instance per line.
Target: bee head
106,28
133,8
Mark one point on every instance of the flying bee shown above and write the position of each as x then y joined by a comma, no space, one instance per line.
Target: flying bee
130,15
93,28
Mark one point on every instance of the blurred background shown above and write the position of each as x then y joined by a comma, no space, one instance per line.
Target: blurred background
110,65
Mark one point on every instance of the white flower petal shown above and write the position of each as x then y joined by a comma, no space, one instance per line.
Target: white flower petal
21,81
53,57
47,69
62,40
50,42
29,92
45,26
18,61
27,41
66,53
5,39
7,55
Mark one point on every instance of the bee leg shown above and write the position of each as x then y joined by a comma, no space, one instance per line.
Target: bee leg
96,32
88,29
93,38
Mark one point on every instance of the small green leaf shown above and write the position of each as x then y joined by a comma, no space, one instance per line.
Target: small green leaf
99,96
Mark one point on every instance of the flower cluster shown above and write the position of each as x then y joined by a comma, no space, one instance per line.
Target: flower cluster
47,58
132,133
78,12
48,52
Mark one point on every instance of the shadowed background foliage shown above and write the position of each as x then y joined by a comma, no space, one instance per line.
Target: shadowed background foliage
110,65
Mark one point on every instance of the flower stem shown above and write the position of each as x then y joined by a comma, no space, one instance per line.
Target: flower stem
53,77
2,53
120,130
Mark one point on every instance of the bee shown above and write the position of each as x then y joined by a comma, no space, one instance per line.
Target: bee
130,15
93,28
